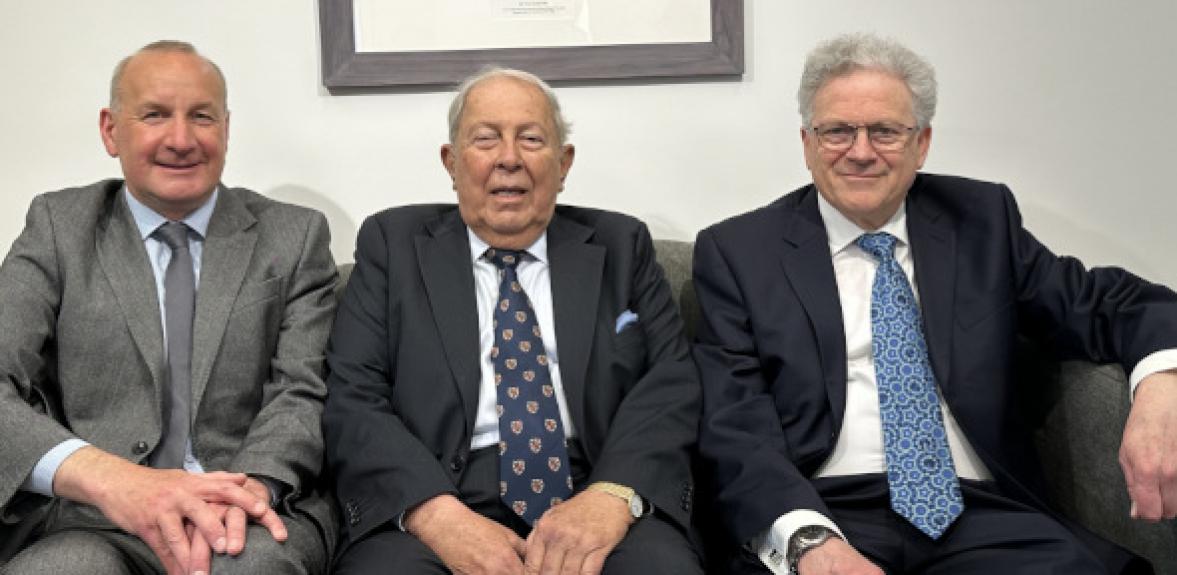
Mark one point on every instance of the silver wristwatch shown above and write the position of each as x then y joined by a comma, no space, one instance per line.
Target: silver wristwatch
803,540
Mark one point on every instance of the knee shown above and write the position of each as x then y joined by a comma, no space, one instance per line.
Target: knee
301,554
69,553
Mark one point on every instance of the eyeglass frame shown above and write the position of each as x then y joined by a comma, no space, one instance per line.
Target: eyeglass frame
904,131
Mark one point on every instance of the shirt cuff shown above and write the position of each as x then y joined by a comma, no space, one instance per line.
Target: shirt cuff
41,479
1154,362
771,547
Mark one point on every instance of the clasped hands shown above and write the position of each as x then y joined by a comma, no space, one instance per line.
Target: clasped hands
183,517
575,536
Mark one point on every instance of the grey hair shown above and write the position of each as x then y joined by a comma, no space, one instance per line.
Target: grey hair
851,52
161,46
458,105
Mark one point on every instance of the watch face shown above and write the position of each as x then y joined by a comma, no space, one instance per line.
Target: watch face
811,534
636,507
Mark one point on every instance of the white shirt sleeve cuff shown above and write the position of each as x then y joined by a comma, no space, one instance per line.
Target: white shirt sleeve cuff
771,546
1154,362
41,479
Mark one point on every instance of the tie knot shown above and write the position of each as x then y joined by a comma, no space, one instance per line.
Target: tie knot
878,244
503,259
174,234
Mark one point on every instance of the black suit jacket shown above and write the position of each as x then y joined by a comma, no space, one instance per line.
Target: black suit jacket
771,346
405,372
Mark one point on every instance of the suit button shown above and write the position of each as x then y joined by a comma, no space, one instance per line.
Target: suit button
457,463
140,448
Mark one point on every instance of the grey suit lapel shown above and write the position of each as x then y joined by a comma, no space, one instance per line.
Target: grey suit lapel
576,269
805,259
123,259
933,248
444,258
227,252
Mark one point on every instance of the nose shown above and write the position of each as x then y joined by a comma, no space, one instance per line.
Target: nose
509,158
861,149
179,137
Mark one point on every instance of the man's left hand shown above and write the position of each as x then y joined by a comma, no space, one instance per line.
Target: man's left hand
577,535
1148,453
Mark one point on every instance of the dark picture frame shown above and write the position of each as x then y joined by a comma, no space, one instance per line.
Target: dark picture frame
344,68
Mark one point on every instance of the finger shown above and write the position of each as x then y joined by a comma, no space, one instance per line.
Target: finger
535,551
206,520
235,524
594,562
517,543
154,541
553,559
273,524
232,493
1169,497
171,529
573,562
1146,499
238,478
201,562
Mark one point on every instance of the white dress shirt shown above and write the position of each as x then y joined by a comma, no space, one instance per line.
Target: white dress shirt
534,276
859,449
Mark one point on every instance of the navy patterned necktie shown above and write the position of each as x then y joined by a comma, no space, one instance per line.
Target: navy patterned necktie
179,309
533,459
920,474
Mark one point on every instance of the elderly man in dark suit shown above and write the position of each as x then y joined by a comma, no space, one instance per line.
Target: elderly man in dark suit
856,352
510,386
161,354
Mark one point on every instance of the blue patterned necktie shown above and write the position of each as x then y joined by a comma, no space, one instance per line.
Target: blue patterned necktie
920,474
533,459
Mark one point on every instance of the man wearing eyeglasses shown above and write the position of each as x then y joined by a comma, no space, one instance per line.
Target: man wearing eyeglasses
856,353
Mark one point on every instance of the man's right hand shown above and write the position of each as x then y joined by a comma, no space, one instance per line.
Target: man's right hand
466,542
155,504
835,557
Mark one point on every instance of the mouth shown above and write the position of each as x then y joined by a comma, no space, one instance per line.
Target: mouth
178,166
508,192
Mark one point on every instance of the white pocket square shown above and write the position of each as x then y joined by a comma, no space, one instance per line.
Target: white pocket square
627,317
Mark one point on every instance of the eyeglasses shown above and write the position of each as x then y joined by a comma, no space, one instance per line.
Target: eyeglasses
884,136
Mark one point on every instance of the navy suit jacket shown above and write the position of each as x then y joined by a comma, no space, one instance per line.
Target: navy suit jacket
405,373
771,344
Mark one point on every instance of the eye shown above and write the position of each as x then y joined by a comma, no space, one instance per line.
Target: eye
485,139
837,132
532,141
204,119
884,133
152,117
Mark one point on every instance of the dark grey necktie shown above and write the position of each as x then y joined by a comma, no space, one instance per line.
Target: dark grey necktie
179,307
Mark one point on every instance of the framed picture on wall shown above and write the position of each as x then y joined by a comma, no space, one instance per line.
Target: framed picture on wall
380,43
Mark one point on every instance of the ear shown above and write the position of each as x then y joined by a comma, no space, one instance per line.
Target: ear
567,154
923,141
106,129
449,159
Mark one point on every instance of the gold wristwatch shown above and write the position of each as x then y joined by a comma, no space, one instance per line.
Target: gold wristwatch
637,507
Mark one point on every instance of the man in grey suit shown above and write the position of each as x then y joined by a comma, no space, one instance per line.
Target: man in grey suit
161,354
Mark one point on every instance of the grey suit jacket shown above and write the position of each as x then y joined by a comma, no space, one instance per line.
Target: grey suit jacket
81,345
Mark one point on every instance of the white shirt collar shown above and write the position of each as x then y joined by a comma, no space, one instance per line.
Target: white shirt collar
537,250
842,232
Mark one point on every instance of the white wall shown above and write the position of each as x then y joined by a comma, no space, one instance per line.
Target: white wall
1070,102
